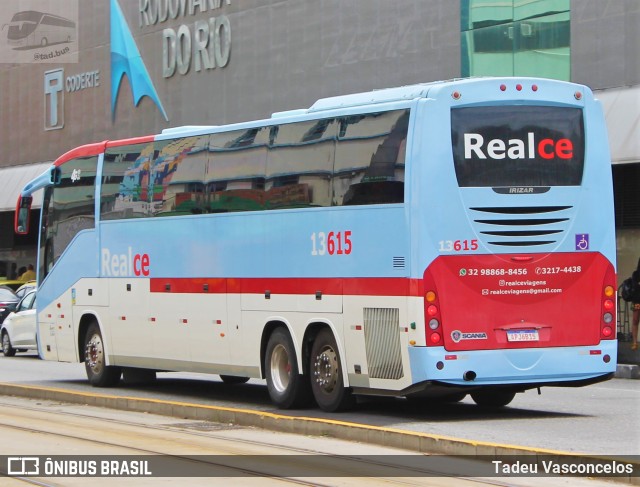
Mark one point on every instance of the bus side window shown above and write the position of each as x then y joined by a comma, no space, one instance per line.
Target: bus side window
234,178
125,182
370,159
176,184
300,164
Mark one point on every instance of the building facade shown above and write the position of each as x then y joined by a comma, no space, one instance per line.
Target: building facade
79,72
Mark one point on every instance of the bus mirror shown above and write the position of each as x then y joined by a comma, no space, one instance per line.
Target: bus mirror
23,211
56,175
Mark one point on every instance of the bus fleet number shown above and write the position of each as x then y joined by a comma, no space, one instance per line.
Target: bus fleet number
458,245
333,243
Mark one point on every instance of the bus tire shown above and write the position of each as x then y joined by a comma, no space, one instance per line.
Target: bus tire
492,398
44,42
232,379
7,348
327,382
98,373
287,387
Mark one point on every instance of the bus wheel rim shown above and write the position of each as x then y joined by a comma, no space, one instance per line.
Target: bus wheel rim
95,354
280,368
325,370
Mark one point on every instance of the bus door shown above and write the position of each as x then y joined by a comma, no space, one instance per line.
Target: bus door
63,325
47,336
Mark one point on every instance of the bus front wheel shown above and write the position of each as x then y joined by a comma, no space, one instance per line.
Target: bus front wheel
98,372
327,382
287,387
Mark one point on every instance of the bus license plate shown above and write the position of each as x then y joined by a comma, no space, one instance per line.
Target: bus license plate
522,336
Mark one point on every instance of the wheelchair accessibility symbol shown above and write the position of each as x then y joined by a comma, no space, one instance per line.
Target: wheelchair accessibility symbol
582,241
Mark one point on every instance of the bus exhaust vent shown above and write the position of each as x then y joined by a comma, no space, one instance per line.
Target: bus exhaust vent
382,342
505,226
398,262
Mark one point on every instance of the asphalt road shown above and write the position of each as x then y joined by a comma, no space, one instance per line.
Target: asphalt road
600,419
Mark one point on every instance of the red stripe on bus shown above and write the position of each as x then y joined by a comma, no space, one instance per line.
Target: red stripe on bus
362,286
132,141
97,148
86,150
189,285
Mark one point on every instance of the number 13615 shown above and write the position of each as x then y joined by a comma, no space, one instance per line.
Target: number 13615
458,245
332,243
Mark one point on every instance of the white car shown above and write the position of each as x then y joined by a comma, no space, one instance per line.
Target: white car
18,330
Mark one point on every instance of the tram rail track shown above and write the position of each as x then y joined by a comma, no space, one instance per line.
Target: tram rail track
221,468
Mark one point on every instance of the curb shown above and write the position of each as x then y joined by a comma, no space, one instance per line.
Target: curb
627,371
408,440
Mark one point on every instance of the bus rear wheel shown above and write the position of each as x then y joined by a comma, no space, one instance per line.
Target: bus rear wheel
327,382
492,398
98,372
287,387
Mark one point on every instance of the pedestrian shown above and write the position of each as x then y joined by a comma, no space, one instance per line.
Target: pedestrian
30,275
635,302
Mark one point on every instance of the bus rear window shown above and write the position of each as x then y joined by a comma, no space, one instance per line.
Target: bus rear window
507,146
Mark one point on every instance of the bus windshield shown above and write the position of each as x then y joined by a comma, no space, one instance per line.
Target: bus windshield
507,146
23,24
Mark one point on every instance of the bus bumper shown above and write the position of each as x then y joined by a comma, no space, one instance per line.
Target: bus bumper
522,366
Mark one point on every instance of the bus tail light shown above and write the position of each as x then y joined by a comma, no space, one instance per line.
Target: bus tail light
433,325
608,307
435,339
433,329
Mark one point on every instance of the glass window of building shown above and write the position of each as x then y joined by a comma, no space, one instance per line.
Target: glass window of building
516,38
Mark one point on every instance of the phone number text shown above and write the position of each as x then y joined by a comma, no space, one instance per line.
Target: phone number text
575,269
493,272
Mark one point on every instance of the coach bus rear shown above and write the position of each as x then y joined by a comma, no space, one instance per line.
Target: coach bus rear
516,238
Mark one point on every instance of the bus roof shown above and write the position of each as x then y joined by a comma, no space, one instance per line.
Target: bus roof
86,150
35,16
411,92
402,93
386,95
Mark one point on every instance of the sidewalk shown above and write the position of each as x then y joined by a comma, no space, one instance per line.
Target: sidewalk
628,362
627,371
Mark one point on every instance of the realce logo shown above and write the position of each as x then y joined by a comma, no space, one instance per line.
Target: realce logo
547,148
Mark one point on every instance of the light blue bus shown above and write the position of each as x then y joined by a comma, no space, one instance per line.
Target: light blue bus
428,241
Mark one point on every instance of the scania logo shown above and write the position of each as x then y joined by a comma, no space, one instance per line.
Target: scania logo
474,146
457,336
